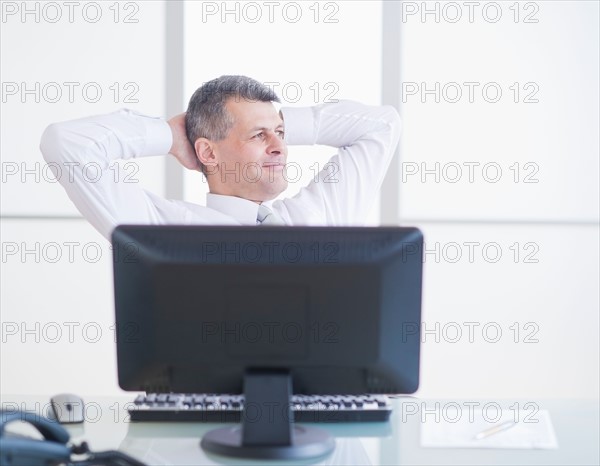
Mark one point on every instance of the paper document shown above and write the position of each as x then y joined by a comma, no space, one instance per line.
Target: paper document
476,431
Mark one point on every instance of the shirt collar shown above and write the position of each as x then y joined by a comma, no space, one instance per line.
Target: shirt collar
242,210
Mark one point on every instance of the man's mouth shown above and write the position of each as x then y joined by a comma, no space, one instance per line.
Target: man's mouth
274,165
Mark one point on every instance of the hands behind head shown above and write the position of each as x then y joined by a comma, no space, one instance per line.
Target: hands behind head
181,148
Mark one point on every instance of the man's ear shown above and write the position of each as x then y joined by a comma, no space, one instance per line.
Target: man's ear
205,152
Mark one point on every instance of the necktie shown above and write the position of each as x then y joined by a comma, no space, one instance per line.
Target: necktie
267,217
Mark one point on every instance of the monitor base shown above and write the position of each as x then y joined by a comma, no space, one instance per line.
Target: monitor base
268,430
308,442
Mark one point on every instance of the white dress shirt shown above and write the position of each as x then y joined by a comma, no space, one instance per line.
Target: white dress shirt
365,138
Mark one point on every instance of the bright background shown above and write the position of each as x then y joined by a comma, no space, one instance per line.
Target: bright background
540,212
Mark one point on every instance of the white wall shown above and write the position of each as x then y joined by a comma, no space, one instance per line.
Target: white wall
509,320
57,309
532,195
73,69
55,268
534,148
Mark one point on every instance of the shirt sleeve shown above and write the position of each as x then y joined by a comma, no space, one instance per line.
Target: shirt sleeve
83,150
345,189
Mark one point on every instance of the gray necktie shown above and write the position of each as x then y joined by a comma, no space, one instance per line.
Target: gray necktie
267,217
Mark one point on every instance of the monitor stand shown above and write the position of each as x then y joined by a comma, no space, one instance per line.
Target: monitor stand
267,430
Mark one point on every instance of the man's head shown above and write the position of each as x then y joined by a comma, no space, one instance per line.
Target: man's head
238,137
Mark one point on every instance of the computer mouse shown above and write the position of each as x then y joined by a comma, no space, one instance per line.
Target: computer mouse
67,408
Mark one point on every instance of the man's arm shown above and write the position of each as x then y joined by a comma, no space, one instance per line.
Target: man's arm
344,191
181,148
81,148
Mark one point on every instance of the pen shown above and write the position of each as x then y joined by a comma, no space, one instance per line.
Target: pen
494,430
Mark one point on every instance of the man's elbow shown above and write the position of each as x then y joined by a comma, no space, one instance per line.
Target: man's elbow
52,143
393,118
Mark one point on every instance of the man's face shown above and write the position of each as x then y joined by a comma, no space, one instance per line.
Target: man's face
250,161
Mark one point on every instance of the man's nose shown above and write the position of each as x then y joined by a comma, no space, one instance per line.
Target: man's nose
276,145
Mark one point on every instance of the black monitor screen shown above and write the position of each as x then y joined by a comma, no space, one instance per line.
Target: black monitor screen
339,308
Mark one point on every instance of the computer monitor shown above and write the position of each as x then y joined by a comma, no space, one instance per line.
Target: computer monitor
267,311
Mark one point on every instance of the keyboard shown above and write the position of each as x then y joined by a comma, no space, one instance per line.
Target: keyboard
209,407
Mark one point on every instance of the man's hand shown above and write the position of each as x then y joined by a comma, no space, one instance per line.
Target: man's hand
181,148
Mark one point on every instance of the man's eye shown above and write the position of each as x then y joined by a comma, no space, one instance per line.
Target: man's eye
259,135
281,134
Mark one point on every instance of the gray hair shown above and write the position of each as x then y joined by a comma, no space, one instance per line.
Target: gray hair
207,116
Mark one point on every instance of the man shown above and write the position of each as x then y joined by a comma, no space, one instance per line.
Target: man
234,134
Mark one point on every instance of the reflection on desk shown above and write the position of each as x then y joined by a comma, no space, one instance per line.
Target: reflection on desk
187,451
397,442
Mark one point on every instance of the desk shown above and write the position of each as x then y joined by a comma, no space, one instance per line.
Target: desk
576,423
